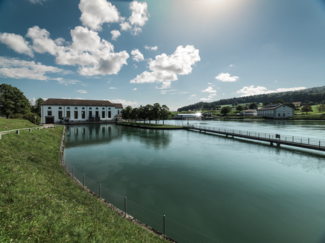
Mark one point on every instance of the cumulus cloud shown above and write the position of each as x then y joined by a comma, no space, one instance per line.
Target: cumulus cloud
112,87
67,81
32,101
82,91
37,1
125,26
209,90
41,41
209,97
151,48
193,96
17,43
115,34
164,69
225,77
231,65
125,102
137,55
18,69
94,13
134,89
252,90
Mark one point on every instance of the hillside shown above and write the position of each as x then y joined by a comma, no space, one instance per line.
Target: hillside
316,95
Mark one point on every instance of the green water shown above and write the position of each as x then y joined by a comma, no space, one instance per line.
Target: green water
229,189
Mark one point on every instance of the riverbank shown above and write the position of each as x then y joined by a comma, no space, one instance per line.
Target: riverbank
39,202
11,124
150,125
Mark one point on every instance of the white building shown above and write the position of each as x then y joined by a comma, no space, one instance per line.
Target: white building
276,111
249,113
53,110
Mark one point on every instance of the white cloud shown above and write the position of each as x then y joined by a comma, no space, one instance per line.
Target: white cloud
251,90
32,101
135,66
137,55
115,34
17,43
225,77
139,13
166,68
223,93
275,81
82,91
152,48
231,65
125,26
94,13
18,69
79,98
135,89
37,1
67,81
41,41
84,84
125,102
209,97
112,87
209,90
166,91
193,96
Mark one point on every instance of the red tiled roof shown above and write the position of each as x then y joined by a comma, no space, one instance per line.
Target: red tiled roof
73,102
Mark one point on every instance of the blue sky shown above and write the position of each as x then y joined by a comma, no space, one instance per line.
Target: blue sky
173,52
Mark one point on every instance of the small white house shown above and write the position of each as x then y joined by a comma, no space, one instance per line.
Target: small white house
276,111
249,113
53,110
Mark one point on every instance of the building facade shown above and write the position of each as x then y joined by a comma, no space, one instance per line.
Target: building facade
276,111
54,110
249,113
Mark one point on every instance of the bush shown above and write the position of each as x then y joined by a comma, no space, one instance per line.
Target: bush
31,117
16,116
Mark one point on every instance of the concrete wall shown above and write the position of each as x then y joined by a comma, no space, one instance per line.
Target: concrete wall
55,112
284,111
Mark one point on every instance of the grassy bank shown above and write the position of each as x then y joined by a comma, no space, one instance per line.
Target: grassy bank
10,124
40,203
150,125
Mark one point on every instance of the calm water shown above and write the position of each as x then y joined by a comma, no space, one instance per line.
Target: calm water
230,189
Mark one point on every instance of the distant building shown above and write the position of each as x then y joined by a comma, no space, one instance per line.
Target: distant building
276,111
54,110
249,113
297,104
186,116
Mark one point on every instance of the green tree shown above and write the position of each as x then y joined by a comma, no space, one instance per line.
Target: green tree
13,101
253,106
156,110
265,103
278,101
306,108
37,107
321,108
148,114
291,105
165,113
225,110
239,108
134,114
126,113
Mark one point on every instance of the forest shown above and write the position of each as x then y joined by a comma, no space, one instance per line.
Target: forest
309,96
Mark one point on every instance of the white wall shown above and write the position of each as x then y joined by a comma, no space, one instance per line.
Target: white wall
55,112
286,110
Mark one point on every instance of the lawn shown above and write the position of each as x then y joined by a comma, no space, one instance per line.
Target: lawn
11,124
40,203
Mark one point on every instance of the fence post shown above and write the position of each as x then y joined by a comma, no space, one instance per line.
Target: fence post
0,135
125,206
301,140
72,171
308,140
100,191
164,226
319,144
84,181
17,131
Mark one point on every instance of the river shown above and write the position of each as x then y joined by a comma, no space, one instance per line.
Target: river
229,189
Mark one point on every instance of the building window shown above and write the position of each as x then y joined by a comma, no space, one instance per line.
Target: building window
49,113
109,108
90,114
60,114
103,114
118,111
96,108
83,115
68,108
60,108
284,114
68,114
76,108
75,114
90,108
103,108
279,114
49,108
97,114
109,114
83,108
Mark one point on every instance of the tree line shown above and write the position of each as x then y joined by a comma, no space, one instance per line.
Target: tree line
149,112
312,96
14,104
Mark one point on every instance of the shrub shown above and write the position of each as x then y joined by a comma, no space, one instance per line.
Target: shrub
16,116
31,117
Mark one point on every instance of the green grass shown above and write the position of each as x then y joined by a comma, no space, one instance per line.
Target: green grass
11,124
40,203
150,125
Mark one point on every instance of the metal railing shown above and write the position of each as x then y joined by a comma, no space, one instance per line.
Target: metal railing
320,143
161,224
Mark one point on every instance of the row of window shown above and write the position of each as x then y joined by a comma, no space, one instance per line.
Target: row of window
60,108
83,114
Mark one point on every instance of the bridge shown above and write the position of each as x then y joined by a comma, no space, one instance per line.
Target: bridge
307,143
